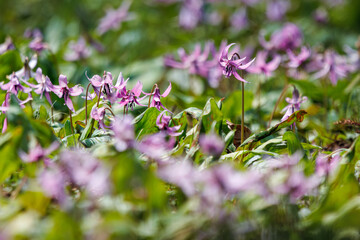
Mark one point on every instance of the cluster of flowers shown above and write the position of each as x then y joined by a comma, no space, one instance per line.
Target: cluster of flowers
193,12
104,88
279,50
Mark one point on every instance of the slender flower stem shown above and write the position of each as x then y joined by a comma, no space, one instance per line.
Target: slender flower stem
72,127
97,105
86,97
242,109
278,102
151,93
52,114
110,111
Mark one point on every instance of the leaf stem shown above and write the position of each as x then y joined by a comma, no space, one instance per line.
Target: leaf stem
86,98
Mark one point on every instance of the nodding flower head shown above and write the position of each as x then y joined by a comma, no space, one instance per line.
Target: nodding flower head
163,121
63,91
231,65
293,104
156,97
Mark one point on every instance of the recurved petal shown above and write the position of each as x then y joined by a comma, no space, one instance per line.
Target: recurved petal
76,90
167,91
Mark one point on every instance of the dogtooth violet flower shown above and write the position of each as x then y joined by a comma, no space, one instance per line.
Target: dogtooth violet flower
44,85
289,37
14,85
231,65
6,46
293,104
78,50
124,135
211,144
98,113
38,153
296,61
332,65
131,97
114,18
262,67
63,91
163,121
105,83
197,62
156,97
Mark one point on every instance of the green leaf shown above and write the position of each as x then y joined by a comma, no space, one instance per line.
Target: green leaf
295,117
87,131
211,116
293,142
9,62
231,106
145,123
68,130
89,142
71,140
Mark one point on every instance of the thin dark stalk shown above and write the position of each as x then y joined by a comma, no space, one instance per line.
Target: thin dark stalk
52,114
110,111
151,93
97,105
86,98
278,102
242,111
72,127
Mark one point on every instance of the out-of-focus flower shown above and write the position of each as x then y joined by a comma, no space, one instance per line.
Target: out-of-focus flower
63,91
325,164
4,107
124,135
277,9
321,15
261,67
163,121
293,183
38,153
44,85
114,18
190,14
38,45
333,66
84,170
33,33
53,183
211,144
6,46
156,146
231,65
296,61
239,20
182,174
197,62
293,104
26,72
78,50
156,97
289,37
250,2
14,85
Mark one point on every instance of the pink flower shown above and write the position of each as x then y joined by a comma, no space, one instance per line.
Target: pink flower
63,91
231,65
262,67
